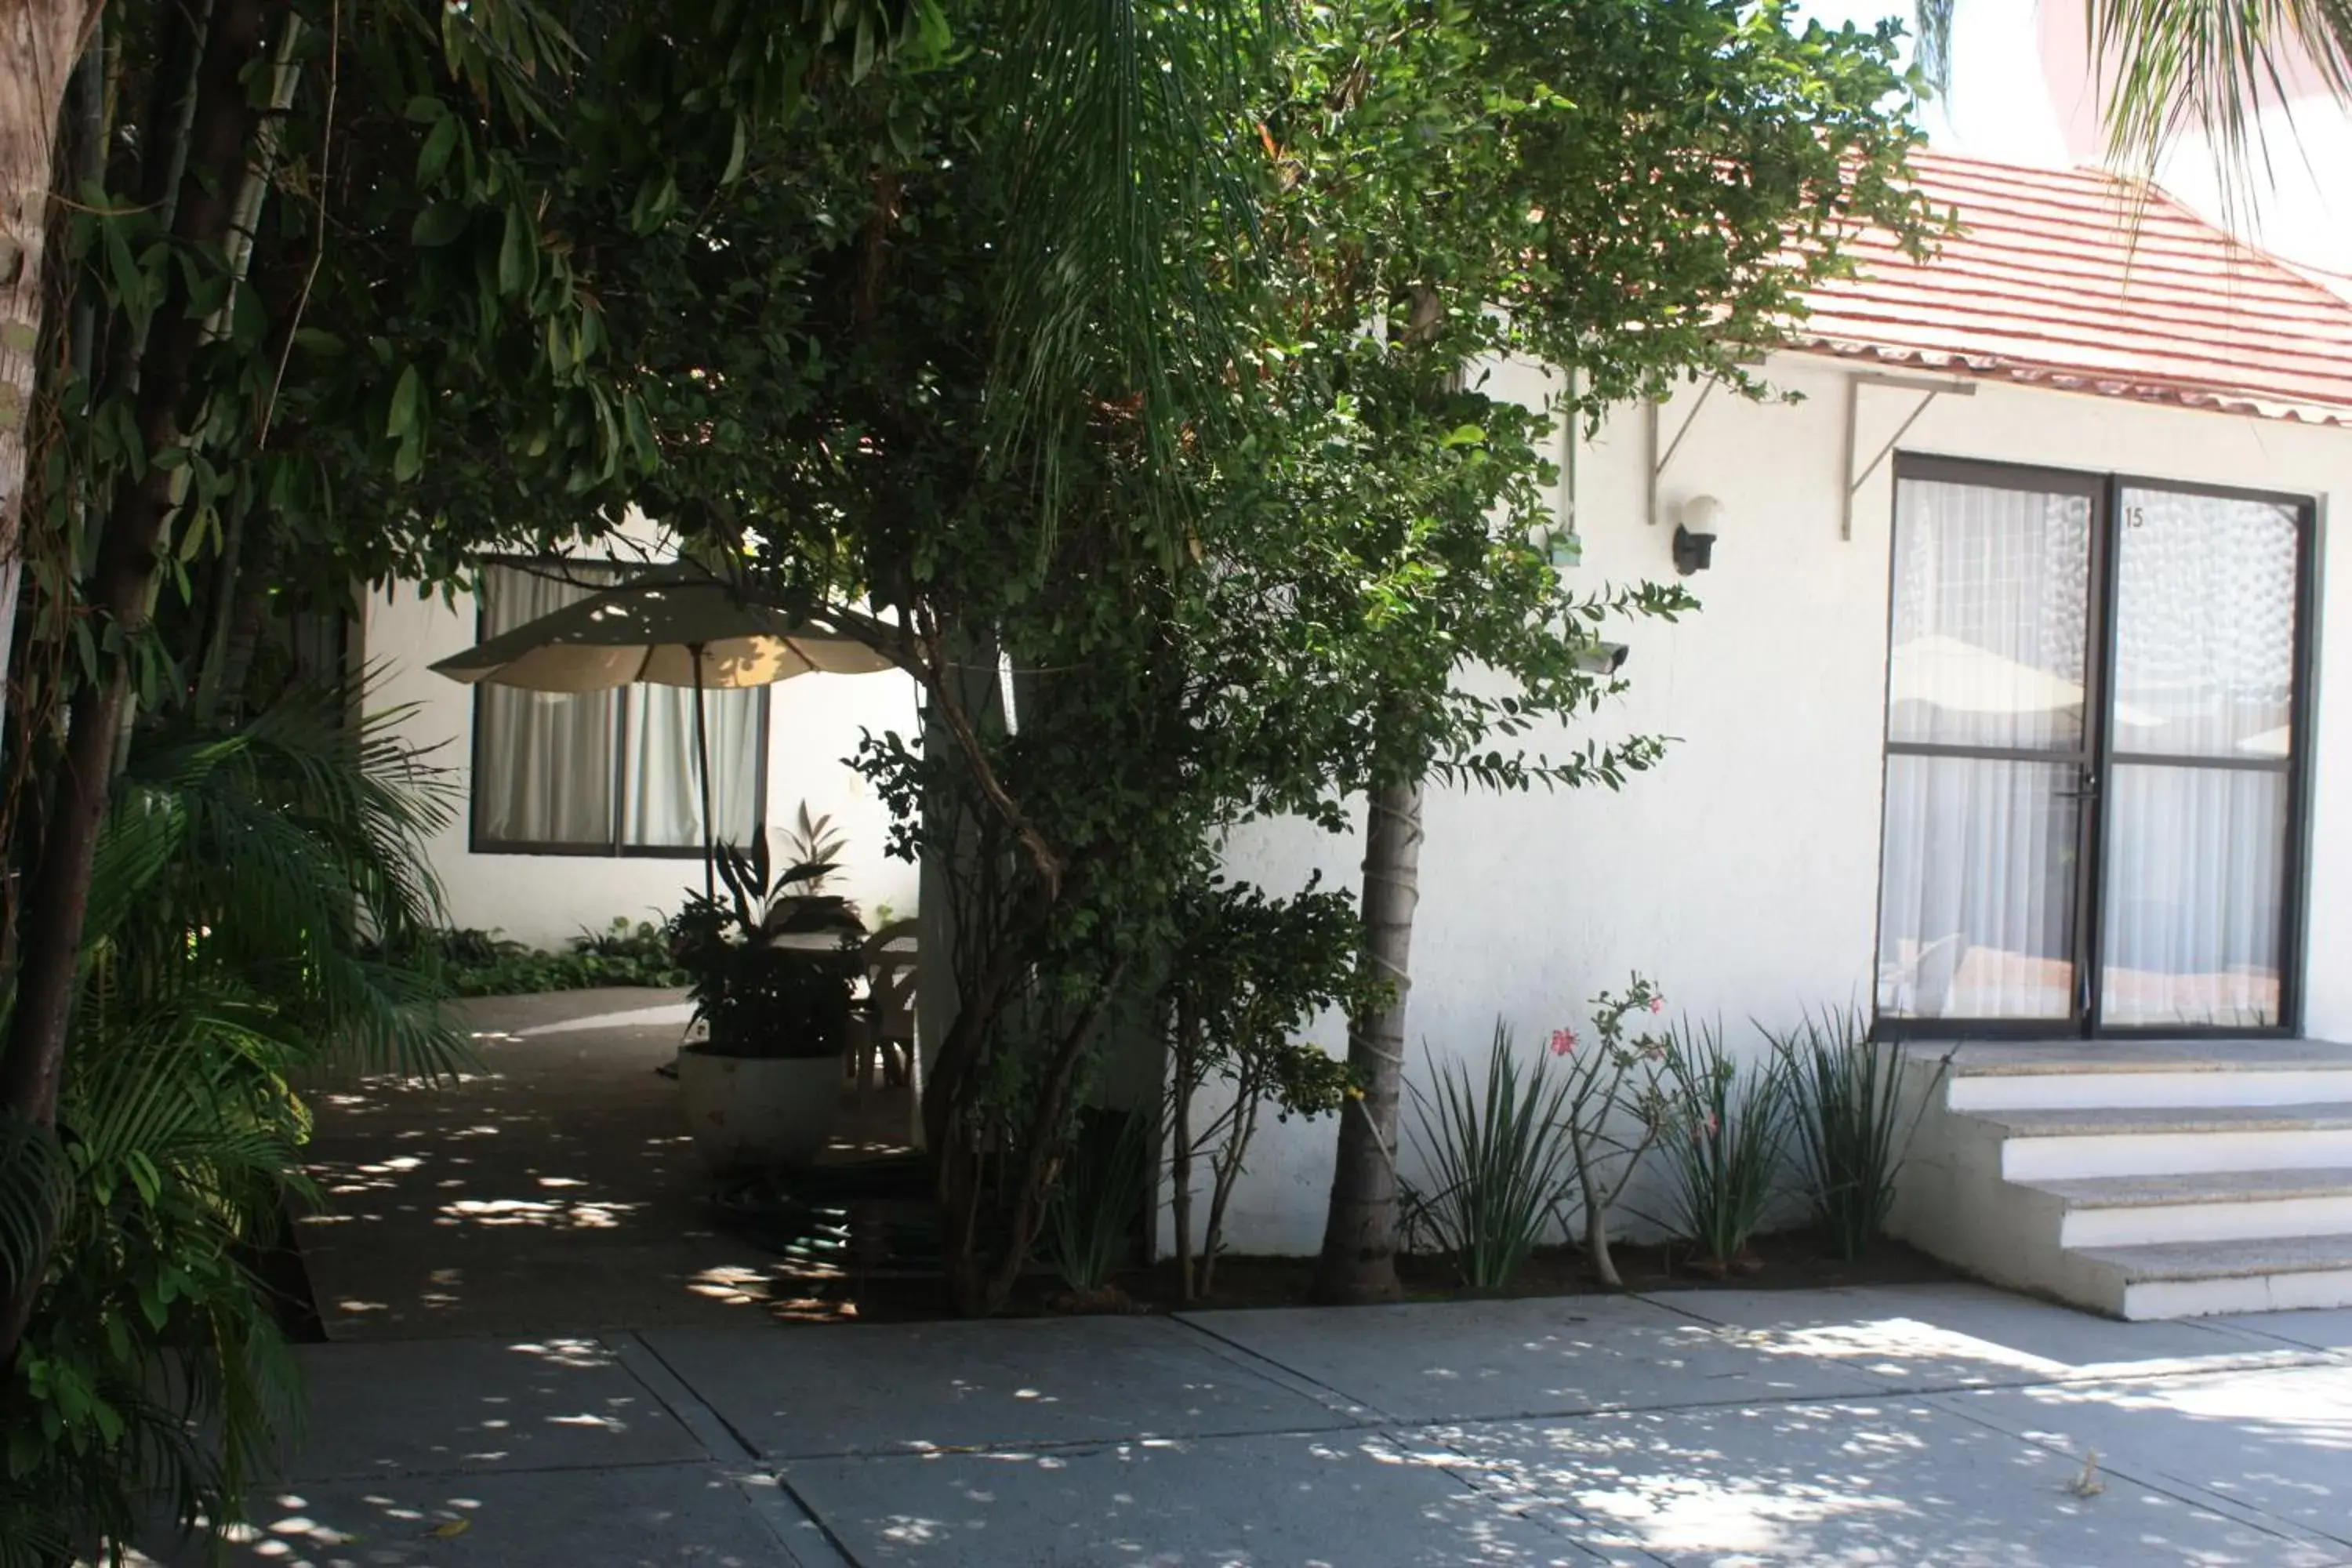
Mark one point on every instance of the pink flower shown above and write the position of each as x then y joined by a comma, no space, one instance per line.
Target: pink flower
1657,1004
1562,1041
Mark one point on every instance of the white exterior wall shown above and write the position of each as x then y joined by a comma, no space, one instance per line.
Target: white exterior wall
813,725
1742,874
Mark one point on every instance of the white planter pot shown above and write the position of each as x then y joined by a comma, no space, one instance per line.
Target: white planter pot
751,1111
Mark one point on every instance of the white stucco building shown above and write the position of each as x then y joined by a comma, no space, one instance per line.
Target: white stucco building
2012,714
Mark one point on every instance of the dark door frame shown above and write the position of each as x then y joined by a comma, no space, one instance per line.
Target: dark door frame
2098,757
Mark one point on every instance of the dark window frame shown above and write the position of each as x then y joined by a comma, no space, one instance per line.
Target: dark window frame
2085,1021
478,842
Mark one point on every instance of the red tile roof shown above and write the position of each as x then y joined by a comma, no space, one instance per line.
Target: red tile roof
2048,283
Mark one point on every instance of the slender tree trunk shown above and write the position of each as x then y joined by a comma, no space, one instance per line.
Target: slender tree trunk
1225,1174
1359,1262
58,897
40,40
1180,1160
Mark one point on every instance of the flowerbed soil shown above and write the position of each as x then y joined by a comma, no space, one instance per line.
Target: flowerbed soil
1792,1260
876,1288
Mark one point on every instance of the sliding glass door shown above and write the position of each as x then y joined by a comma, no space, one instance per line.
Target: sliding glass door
2092,744
2198,797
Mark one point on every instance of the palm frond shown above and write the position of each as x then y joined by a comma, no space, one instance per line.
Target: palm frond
36,1184
283,853
1137,153
1931,21
2212,65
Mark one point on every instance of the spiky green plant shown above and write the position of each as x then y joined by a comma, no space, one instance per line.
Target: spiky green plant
1104,1185
1497,1159
241,879
1847,1094
1726,1130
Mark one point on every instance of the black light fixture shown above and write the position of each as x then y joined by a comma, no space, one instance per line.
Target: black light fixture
1694,534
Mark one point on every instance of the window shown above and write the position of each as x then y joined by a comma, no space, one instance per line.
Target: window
603,773
2095,734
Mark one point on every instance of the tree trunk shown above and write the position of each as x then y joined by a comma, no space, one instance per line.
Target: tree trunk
1179,1173
1359,1262
40,40
59,895
1225,1174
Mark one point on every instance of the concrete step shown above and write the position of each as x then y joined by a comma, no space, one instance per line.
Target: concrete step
2138,1074
2194,1280
2165,1140
2221,1205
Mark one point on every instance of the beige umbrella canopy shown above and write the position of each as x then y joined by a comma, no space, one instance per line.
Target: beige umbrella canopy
673,625
667,626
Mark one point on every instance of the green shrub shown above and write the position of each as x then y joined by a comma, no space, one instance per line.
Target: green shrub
1726,1131
222,958
483,963
1846,1107
1105,1179
1498,1160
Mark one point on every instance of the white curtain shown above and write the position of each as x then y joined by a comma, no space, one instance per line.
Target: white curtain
1977,904
1976,918
1989,631
548,765
664,796
2196,863
543,770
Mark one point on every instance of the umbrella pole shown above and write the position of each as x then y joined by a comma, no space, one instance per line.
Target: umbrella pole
702,776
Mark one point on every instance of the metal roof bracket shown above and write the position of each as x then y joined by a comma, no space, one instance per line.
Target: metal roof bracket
1928,389
1657,464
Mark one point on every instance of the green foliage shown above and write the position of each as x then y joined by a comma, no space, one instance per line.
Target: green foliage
1431,190
1497,1158
761,998
483,963
1726,1131
1249,974
1846,1112
812,841
1615,1109
238,871
1100,1198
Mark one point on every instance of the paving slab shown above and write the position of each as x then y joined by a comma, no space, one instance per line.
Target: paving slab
1429,1361
1893,1483
454,1406
2276,1442
914,1387
557,1193
2321,1328
1956,1336
1259,1501
662,1516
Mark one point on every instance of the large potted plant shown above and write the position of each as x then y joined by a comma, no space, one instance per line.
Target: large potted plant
772,965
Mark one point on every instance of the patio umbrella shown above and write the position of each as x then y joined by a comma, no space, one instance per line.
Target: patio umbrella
674,625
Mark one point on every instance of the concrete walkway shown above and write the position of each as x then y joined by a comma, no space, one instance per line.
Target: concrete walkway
1894,1425
555,1193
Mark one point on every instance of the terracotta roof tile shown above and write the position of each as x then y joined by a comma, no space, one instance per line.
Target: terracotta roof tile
2048,283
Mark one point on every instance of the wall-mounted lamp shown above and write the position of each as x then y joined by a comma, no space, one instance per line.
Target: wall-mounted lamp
1694,534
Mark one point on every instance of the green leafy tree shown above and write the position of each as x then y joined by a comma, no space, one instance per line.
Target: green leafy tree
1637,192
1251,973
333,310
